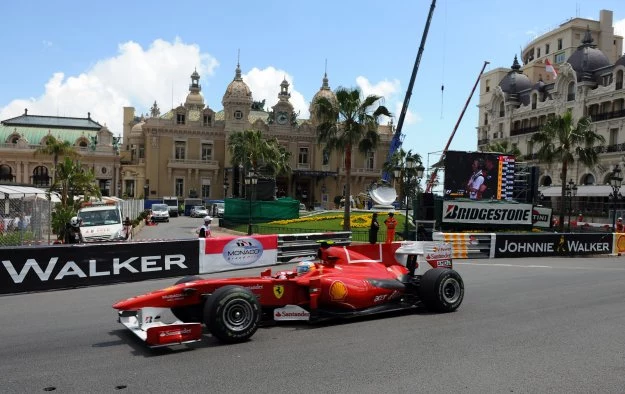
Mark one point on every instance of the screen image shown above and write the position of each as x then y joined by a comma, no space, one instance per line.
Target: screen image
479,175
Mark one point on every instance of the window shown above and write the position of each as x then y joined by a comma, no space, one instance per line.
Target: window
619,80
179,186
607,79
207,151
130,188
546,49
487,85
613,136
206,120
570,94
537,52
501,110
16,138
6,173
40,176
534,99
326,156
559,58
141,151
302,158
559,44
180,119
370,161
485,119
82,144
530,147
206,188
180,148
238,115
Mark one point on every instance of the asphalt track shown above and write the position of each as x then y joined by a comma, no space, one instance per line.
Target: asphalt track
526,326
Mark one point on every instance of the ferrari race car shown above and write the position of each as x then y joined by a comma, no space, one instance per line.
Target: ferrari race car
345,281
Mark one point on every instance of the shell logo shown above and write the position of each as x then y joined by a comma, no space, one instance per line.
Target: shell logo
338,291
620,243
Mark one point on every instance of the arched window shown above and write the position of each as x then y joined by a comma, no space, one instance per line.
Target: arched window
40,176
502,111
83,143
6,174
13,138
588,179
534,100
619,79
570,92
546,181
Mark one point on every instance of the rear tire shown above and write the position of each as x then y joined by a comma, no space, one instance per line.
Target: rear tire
442,290
189,313
232,314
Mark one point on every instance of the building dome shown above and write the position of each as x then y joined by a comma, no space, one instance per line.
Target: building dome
324,92
620,62
515,81
136,133
587,58
238,91
194,98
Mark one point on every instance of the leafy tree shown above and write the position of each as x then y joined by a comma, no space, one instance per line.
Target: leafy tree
504,147
56,148
73,184
349,124
562,140
398,160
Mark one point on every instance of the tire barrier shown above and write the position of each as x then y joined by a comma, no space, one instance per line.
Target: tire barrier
296,247
469,245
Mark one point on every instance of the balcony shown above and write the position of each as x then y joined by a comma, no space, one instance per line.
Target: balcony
524,130
483,141
193,164
607,115
369,172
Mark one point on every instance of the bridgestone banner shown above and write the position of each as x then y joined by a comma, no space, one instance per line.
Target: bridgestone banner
65,266
487,213
536,245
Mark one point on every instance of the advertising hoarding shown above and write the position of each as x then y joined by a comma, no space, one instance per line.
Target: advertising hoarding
479,175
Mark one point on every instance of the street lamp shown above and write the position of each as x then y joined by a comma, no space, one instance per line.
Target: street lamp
615,182
571,191
411,174
250,180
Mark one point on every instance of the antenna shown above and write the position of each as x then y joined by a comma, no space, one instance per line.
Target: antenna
238,56
325,71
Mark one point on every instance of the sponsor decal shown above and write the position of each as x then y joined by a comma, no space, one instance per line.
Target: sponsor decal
443,263
379,298
278,291
551,245
541,217
291,312
338,291
173,297
243,251
182,331
468,212
255,287
441,251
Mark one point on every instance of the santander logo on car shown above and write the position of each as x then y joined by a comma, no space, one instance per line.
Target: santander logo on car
243,251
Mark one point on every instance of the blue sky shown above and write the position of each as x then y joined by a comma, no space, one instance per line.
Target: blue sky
68,58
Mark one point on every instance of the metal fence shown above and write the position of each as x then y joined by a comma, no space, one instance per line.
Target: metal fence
26,219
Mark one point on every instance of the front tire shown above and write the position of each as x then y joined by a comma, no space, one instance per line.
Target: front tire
442,289
189,313
232,314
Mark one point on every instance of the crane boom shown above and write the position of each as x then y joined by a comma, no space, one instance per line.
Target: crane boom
397,137
428,188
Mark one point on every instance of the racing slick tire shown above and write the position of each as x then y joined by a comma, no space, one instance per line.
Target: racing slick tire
191,313
232,314
442,290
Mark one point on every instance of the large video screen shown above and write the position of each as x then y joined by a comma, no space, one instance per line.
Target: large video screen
479,175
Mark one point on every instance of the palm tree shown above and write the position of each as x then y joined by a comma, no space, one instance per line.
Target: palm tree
504,147
352,122
56,148
562,140
254,151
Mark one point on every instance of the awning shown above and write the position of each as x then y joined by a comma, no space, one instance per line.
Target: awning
14,192
582,191
314,173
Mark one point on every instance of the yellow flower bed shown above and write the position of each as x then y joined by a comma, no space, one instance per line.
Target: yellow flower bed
356,221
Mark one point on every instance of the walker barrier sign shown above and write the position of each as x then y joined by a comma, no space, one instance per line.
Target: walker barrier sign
486,213
535,245
30,268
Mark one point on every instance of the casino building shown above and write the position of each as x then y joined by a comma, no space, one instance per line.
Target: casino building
183,151
514,102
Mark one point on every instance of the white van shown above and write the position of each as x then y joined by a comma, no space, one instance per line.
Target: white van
101,222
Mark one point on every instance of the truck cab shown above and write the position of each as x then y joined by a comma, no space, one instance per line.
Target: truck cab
172,203
101,222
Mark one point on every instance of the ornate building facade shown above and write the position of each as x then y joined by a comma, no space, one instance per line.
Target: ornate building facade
516,102
22,136
184,151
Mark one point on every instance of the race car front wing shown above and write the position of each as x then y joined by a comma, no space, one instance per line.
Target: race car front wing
147,325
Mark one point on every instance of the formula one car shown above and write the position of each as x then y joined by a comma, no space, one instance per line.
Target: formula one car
342,282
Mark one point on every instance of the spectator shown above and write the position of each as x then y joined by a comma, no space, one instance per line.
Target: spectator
127,228
72,231
619,225
205,230
373,229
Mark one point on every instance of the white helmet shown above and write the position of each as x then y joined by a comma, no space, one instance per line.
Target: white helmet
207,219
74,221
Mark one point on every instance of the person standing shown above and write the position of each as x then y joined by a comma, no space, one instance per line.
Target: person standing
72,232
373,229
205,230
475,181
619,225
488,189
127,229
391,223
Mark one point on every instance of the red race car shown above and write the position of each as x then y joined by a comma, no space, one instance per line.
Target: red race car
343,282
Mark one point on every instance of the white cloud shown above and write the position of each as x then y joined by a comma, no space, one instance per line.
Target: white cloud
392,98
265,85
134,77
619,28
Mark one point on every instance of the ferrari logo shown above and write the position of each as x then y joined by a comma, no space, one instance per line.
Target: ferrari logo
278,291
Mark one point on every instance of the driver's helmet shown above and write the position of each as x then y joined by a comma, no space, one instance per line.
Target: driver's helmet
305,266
74,221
